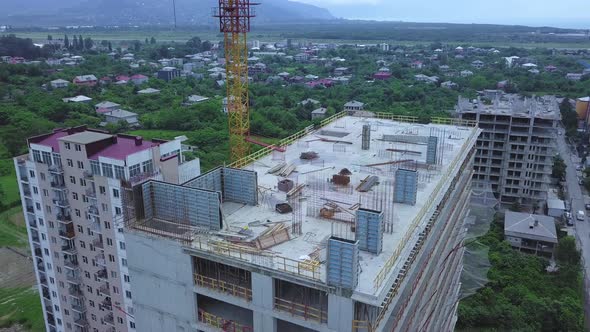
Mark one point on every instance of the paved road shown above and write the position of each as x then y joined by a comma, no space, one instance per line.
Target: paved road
582,228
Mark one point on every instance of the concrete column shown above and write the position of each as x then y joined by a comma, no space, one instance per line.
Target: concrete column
340,313
262,301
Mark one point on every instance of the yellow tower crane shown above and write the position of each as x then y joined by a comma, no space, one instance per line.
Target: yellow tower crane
234,21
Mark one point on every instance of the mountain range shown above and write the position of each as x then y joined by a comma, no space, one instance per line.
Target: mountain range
145,12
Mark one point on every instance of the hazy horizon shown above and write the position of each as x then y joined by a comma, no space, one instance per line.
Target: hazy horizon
511,12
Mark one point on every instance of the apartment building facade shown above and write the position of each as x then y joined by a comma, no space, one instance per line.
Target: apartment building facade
215,254
70,186
515,151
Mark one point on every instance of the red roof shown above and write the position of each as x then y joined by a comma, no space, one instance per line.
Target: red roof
53,140
106,78
138,77
122,78
382,75
124,147
103,110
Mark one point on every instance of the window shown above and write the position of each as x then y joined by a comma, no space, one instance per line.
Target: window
36,190
56,159
66,312
107,225
32,174
53,240
128,294
82,182
95,167
48,208
126,278
93,317
61,284
82,244
87,275
72,179
120,320
46,157
118,210
122,245
49,267
132,325
119,172
134,170
105,207
56,307
77,212
53,294
116,193
113,274
85,259
115,290
38,206
46,251
70,162
67,145
43,236
78,147
41,222
91,303
59,321
111,258
58,269
80,229
107,170
89,289
147,166
45,192
37,156
51,224
80,165
75,196
123,262
42,175
84,198
51,280
109,242
102,190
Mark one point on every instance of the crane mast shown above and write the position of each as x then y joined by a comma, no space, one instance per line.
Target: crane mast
234,21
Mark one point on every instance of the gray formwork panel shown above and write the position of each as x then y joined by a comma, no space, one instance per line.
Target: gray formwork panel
406,186
405,139
183,205
240,186
208,181
431,150
342,263
369,230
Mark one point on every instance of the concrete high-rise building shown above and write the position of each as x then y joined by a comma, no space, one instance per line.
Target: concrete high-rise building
353,226
515,151
70,185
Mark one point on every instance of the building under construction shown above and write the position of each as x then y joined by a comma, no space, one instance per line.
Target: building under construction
356,225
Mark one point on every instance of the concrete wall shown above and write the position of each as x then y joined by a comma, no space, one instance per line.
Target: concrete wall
161,281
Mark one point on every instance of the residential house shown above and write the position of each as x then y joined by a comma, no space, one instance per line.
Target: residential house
341,71
353,106
530,232
59,84
85,80
573,76
257,68
444,68
168,73
466,73
555,207
107,105
311,77
382,75
139,79
425,78
195,99
106,80
77,99
148,91
284,75
301,57
309,101
319,113
477,64
449,85
118,115
416,65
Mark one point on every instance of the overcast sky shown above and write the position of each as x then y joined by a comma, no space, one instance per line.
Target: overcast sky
563,13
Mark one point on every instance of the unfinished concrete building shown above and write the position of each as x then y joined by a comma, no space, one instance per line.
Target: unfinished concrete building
70,185
515,151
353,226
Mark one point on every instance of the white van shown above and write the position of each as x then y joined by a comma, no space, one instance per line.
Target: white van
580,215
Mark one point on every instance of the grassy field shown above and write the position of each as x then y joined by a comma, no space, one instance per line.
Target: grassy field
9,183
22,306
13,231
181,36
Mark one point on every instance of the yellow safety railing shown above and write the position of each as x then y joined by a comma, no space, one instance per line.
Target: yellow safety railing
396,253
301,310
221,323
362,326
224,287
308,268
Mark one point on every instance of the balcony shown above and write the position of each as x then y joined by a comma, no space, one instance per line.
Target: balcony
222,323
64,218
91,193
69,249
81,322
61,202
57,184
79,307
32,223
75,291
98,243
56,169
92,210
100,260
73,278
109,319
38,252
223,287
71,264
67,232
88,175
105,290
30,209
45,293
107,304
102,273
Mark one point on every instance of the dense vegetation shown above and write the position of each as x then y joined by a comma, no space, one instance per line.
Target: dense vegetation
521,295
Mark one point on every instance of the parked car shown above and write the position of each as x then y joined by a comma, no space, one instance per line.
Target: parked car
587,207
581,215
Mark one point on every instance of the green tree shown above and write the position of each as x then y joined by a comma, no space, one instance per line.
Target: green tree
49,37
559,168
75,43
566,252
2,197
88,43
80,43
66,41
152,40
